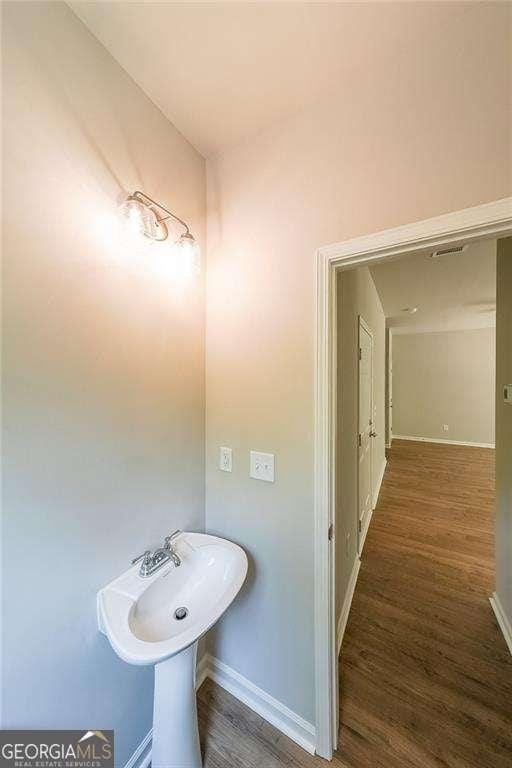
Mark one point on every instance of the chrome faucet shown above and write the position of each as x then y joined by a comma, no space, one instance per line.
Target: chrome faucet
169,547
151,562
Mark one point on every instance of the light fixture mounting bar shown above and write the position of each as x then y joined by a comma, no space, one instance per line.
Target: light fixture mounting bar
143,198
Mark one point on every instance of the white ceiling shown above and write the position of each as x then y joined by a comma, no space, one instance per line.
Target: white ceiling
222,72
454,292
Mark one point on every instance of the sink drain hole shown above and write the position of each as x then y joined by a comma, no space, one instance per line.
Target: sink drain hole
180,613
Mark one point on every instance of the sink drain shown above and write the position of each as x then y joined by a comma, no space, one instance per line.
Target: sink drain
180,613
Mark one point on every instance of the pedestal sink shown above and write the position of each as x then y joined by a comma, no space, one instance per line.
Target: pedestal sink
159,619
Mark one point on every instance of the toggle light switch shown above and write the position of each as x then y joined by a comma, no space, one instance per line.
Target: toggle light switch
262,466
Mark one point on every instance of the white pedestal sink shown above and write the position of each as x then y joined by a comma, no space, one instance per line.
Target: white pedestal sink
143,620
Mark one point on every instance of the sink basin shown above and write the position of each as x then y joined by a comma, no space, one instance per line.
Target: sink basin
159,619
137,614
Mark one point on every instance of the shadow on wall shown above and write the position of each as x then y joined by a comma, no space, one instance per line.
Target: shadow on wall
103,385
212,645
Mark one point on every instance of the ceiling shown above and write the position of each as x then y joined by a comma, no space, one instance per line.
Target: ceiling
222,72
455,292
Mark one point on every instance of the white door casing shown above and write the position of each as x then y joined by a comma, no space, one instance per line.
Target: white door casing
365,430
389,404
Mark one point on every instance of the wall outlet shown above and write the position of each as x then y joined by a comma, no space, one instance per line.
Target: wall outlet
262,466
445,427
225,459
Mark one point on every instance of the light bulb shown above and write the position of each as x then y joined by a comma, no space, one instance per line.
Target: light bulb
188,254
132,210
140,218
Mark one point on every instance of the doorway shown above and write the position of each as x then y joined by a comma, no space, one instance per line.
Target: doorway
488,220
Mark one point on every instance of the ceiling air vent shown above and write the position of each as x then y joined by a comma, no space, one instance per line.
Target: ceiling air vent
450,251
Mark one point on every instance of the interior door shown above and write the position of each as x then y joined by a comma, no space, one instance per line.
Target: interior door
365,429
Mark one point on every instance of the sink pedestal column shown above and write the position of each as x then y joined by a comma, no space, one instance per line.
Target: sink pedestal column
175,732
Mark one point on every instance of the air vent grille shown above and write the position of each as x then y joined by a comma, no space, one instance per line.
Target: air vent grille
453,249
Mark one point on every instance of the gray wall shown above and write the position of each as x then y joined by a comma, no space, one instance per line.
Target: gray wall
320,177
103,392
444,378
504,427
356,295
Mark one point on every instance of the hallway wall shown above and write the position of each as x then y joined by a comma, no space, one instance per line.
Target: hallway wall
103,369
445,378
393,151
503,526
356,295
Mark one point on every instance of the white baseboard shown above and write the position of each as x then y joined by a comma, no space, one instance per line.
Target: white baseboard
362,537
270,709
347,602
502,619
201,670
440,440
142,755
375,499
379,483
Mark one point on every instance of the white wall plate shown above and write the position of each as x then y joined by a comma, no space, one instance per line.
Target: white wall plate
262,466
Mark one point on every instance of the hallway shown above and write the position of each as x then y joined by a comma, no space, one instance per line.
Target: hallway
426,676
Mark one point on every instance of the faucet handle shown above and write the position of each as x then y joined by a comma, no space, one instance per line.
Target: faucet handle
145,555
169,539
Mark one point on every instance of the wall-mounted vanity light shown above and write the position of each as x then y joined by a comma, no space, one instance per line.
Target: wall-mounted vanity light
144,216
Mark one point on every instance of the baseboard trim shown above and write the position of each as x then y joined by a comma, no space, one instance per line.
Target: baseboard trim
362,538
375,498
502,619
270,709
292,725
379,483
142,755
201,670
440,440
347,602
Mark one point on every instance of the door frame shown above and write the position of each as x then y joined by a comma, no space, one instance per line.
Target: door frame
361,534
389,388
491,219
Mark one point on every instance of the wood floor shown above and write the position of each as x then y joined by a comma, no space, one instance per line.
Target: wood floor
426,677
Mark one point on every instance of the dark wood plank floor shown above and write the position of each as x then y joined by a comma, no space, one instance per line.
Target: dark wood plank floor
426,677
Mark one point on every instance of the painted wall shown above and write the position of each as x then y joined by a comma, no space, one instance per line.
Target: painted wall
445,378
503,527
356,295
103,369
398,152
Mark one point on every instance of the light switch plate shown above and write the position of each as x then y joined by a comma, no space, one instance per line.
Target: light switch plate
262,466
225,459
507,393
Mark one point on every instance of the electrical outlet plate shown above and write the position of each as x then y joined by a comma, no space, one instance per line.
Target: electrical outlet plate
262,466
225,459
